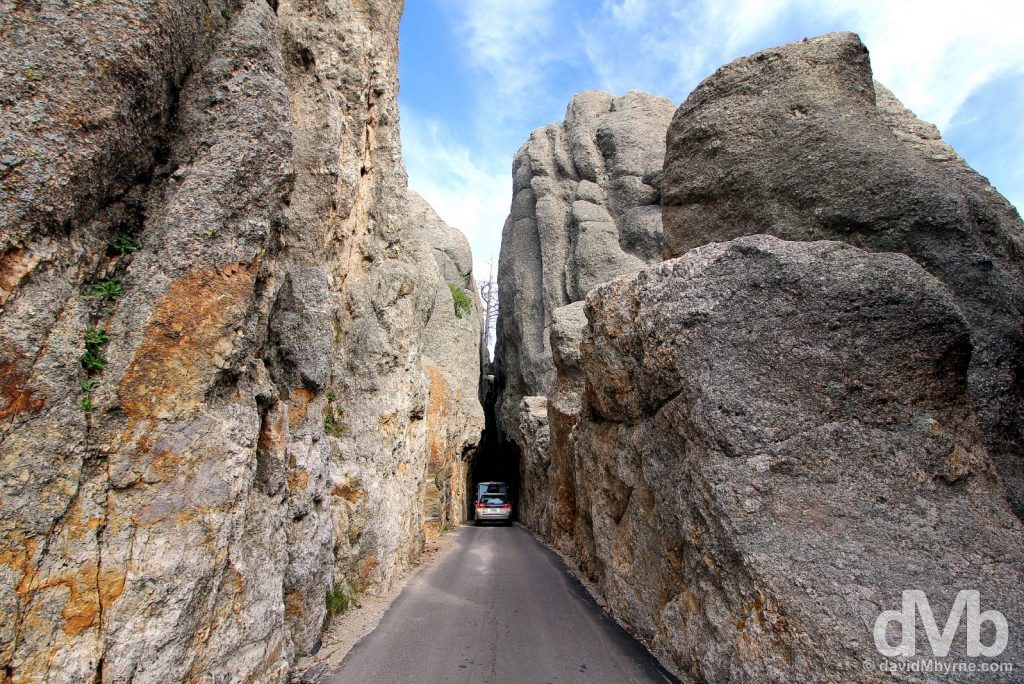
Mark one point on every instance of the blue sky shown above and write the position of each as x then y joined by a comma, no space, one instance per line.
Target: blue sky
478,75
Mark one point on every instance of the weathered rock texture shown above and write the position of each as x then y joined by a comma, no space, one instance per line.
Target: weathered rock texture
547,427
753,449
534,462
799,142
777,438
260,425
450,343
584,210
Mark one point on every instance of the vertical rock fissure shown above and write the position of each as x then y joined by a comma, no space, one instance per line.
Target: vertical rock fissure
731,443
260,407
584,210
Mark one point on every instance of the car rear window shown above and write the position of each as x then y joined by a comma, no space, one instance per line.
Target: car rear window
491,500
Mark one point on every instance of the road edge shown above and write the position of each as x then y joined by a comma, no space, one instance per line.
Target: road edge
590,588
346,630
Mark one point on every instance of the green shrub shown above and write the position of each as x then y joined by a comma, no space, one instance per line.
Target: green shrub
337,601
108,288
121,244
88,387
92,361
331,426
461,300
95,337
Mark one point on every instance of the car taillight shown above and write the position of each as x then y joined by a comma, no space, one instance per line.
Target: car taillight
479,505
507,506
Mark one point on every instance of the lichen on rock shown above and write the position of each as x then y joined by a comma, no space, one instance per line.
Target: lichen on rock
765,471
231,174
800,142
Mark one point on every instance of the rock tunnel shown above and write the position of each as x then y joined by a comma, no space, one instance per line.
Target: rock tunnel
495,459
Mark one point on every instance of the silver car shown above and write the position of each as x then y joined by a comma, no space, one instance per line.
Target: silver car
493,508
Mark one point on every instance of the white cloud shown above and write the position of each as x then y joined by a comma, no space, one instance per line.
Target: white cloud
933,55
461,190
509,43
666,47
628,13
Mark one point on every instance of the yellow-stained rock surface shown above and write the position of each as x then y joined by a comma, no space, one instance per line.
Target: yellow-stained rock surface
217,304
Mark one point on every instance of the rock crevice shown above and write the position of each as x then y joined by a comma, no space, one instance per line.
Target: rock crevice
209,203
752,449
584,210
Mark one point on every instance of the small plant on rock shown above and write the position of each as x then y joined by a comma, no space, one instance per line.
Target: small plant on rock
337,601
463,304
95,337
88,387
121,244
331,426
92,361
109,288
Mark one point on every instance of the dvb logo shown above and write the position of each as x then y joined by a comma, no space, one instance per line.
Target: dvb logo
916,603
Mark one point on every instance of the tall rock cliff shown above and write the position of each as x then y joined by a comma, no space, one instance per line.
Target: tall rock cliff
450,344
799,142
584,210
752,449
777,440
214,403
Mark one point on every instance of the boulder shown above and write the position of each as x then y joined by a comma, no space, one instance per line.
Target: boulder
799,142
584,210
450,335
535,463
213,305
450,345
558,525
777,440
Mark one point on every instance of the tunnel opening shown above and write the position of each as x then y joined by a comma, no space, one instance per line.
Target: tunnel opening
499,463
495,460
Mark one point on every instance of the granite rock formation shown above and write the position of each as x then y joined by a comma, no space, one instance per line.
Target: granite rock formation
550,469
584,210
778,439
213,303
799,142
752,449
450,344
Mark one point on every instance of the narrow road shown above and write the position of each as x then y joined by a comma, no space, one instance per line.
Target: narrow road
499,608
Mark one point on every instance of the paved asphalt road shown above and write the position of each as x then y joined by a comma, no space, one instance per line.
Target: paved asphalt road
499,608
